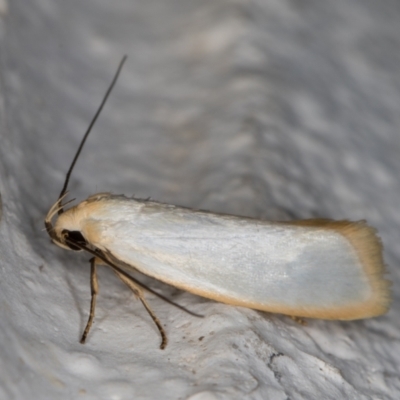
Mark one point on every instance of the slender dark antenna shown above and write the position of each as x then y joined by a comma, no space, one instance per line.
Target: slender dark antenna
64,189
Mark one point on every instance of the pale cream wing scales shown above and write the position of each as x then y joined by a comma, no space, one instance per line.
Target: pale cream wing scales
309,268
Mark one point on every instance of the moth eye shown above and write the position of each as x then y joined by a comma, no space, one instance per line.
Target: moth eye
74,236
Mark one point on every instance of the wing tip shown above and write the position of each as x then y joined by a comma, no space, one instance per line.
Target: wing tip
368,246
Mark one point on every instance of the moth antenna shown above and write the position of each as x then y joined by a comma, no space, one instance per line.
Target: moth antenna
57,206
64,189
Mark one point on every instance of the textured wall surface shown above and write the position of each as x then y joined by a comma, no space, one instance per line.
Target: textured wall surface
273,109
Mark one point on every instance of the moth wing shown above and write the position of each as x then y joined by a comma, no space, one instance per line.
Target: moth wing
315,268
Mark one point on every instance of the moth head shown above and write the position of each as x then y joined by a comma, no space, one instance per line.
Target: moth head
65,232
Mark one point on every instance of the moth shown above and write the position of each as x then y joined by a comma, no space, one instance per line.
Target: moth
315,268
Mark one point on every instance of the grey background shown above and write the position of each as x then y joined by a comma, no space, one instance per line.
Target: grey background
272,109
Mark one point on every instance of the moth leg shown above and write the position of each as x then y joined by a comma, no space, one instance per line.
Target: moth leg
139,293
94,290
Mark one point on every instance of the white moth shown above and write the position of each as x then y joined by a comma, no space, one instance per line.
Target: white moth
312,268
